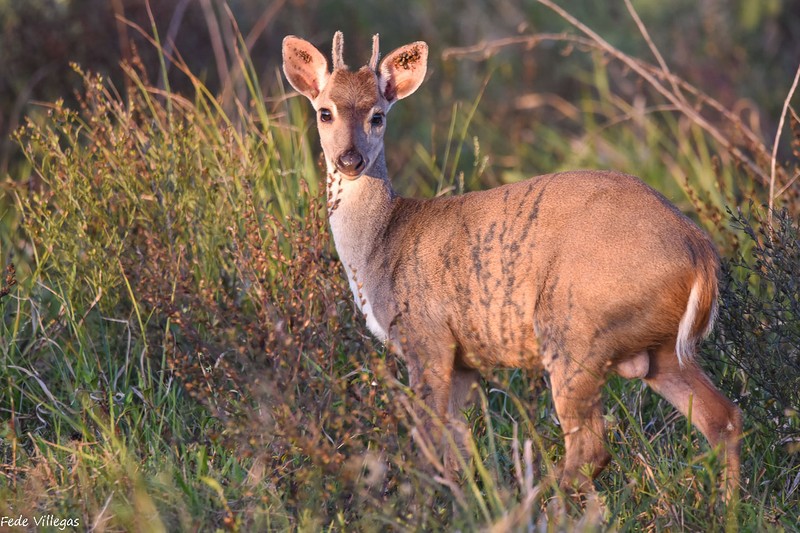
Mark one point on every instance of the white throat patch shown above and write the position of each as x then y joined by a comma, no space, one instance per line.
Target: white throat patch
349,247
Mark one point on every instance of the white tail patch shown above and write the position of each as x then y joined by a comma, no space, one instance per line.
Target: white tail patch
686,343
712,317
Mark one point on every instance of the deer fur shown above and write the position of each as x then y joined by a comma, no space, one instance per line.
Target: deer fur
584,273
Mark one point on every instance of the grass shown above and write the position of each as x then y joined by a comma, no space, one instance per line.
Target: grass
181,350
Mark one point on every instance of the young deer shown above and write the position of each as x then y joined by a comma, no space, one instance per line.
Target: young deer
584,273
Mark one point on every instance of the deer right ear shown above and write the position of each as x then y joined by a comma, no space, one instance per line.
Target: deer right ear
305,67
402,71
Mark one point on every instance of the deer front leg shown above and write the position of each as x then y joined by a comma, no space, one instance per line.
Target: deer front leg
433,379
577,395
463,389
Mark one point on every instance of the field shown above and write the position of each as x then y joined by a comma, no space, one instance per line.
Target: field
179,348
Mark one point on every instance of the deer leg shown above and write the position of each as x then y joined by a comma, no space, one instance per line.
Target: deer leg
719,419
462,394
577,395
430,369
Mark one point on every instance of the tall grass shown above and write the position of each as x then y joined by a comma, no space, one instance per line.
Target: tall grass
182,352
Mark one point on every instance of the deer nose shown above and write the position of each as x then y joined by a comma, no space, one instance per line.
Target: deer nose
351,163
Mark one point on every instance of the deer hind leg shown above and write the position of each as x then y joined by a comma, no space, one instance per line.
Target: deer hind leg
577,395
719,419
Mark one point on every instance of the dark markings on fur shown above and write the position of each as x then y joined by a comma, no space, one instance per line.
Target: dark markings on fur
426,391
304,56
408,59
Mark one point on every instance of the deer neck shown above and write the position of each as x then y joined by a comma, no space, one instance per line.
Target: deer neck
359,211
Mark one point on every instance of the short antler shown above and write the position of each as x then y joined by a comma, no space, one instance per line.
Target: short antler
338,49
376,54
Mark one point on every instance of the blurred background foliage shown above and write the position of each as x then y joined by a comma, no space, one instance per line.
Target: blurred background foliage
740,51
534,104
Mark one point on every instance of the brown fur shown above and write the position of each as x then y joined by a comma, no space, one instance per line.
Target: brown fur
583,273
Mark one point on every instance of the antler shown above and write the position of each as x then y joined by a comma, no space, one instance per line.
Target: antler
338,48
376,54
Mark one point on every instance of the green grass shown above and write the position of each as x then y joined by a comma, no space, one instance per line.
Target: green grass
181,351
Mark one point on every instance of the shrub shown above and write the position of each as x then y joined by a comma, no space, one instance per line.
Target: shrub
758,329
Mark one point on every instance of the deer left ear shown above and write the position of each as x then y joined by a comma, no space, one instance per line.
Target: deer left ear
402,71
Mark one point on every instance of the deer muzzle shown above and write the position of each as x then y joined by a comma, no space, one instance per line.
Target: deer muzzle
351,163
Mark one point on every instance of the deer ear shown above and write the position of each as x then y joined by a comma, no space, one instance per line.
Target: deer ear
402,71
305,67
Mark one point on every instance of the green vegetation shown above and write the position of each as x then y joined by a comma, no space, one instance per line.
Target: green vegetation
179,349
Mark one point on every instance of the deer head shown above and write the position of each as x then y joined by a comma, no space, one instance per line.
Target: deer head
351,106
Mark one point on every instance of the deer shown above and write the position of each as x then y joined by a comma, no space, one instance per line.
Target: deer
584,274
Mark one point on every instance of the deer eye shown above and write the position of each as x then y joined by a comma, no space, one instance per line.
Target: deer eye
325,115
377,119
